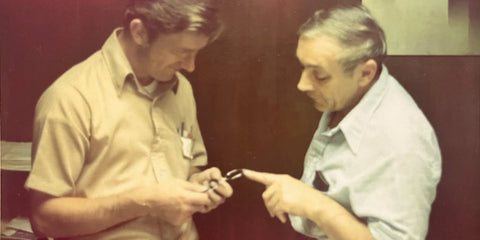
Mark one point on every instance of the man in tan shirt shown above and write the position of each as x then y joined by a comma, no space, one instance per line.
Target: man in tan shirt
116,145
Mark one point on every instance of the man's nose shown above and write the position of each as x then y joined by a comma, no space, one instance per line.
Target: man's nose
188,63
304,83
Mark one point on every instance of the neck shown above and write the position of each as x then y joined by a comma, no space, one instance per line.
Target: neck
337,116
133,53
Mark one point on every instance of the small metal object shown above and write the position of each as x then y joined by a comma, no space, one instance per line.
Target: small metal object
231,175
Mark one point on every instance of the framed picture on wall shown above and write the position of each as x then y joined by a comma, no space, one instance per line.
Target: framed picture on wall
429,27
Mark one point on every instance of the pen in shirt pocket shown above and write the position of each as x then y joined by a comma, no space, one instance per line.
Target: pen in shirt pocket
190,134
181,129
185,133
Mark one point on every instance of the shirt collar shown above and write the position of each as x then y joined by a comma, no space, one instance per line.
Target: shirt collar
170,85
117,63
120,68
354,124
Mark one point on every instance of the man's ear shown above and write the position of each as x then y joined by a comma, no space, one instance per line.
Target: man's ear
368,71
139,32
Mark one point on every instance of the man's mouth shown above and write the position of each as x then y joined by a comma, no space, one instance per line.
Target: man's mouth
316,99
312,96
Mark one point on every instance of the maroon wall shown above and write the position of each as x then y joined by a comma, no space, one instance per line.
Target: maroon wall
249,109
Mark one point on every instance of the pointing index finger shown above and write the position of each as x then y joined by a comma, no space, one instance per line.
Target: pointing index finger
260,177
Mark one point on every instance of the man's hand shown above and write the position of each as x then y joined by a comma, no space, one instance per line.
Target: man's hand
173,200
284,194
218,195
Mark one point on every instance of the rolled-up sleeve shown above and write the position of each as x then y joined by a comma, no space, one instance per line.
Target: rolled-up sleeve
396,192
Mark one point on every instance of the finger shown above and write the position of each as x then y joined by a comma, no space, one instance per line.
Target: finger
206,184
195,198
208,174
213,184
205,209
214,197
224,189
219,194
271,203
214,173
267,199
261,177
268,193
275,206
191,186
193,208
267,206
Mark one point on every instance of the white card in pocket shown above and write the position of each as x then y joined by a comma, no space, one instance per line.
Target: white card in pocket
187,146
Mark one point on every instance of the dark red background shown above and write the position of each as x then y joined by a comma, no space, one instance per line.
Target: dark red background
249,109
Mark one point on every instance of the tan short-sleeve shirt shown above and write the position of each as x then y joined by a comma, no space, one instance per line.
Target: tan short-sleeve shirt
98,132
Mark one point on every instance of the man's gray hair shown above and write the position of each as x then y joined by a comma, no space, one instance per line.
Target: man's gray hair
174,16
354,28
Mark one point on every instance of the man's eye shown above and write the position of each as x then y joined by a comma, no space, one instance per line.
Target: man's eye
322,78
180,52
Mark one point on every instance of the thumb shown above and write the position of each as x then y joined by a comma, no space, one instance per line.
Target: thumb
260,177
192,186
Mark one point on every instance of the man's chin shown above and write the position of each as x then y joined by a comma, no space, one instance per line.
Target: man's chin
166,80
320,108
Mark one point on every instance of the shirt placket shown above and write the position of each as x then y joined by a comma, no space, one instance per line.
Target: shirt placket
316,155
159,142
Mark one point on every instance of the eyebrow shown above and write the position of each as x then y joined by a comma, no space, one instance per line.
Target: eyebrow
314,66
186,50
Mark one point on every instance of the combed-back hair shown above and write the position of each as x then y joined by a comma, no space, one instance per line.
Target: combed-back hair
353,27
174,16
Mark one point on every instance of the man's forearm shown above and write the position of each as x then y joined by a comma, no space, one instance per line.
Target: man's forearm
336,222
62,217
